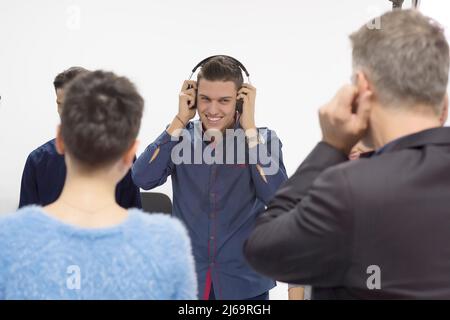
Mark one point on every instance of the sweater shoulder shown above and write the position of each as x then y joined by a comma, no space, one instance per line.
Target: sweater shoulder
161,228
17,228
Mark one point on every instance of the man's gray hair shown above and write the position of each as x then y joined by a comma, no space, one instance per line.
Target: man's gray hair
407,59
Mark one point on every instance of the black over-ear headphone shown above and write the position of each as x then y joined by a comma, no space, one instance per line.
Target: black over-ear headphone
240,102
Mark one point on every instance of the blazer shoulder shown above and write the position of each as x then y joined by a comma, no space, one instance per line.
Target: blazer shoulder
369,176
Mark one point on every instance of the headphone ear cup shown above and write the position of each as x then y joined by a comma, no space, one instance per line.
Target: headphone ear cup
194,106
239,104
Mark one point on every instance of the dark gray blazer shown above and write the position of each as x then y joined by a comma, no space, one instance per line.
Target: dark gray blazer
334,222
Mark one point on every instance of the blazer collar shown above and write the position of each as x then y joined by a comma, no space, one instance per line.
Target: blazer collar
435,136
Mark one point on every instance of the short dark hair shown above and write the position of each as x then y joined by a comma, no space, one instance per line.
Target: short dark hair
67,75
101,118
221,68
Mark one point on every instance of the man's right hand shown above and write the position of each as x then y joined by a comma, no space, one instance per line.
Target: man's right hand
341,127
186,110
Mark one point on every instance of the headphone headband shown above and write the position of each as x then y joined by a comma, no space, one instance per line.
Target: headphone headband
240,65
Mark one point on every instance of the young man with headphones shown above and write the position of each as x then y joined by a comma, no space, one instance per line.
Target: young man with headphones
218,200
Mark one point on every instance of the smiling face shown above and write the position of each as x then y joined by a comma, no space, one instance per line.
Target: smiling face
216,104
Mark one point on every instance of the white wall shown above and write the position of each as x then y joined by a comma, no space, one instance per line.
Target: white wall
297,52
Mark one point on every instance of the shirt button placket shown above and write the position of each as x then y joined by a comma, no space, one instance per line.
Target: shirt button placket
212,217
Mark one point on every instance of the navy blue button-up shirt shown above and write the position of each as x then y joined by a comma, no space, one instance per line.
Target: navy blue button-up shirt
45,173
218,203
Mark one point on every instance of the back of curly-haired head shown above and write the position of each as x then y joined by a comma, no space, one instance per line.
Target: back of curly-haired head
101,118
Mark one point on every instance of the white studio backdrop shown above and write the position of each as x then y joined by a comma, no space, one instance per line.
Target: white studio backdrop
297,53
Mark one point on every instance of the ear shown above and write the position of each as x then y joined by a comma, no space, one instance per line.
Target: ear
59,141
362,83
128,157
444,114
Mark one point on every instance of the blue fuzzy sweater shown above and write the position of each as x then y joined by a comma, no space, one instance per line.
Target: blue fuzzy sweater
144,257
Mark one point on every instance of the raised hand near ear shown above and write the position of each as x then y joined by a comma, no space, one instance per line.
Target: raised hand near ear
248,94
342,128
186,109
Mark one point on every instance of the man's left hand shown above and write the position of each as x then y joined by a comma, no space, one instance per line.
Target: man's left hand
248,94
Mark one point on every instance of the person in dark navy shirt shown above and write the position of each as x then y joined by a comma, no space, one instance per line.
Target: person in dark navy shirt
45,170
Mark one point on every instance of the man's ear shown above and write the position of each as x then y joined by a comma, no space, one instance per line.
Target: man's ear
59,141
444,114
362,83
128,157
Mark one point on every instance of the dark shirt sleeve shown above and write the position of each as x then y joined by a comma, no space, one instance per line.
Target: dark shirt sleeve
267,168
305,234
127,193
154,165
28,187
